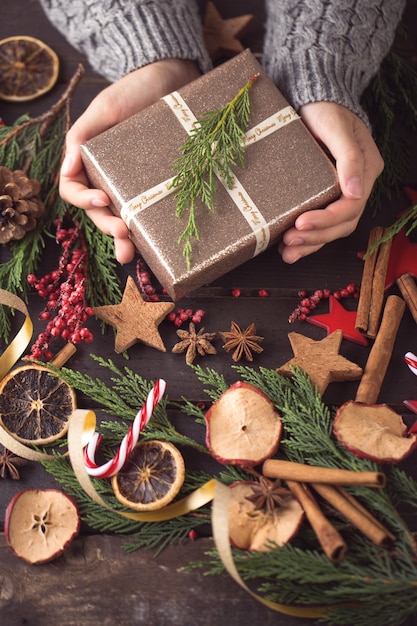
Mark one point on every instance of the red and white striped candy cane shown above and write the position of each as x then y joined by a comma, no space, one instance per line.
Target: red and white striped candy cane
411,360
129,440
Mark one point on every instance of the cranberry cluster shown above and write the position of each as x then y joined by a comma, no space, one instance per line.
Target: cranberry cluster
308,303
66,310
150,293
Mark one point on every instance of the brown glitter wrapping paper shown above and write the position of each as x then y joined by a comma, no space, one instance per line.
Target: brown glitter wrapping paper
285,174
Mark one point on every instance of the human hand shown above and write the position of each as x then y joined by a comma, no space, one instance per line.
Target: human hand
358,164
132,93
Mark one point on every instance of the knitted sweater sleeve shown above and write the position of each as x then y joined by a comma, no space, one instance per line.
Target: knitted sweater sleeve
328,50
118,36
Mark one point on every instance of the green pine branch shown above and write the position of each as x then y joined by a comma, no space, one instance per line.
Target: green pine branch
36,146
214,146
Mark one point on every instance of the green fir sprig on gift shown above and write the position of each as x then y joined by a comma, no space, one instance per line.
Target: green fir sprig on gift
36,145
213,148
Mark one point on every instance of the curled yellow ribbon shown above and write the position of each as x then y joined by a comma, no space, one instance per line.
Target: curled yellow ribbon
220,528
81,424
15,349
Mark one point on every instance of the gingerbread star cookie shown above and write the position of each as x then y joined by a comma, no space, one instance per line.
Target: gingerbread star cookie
221,36
321,360
135,319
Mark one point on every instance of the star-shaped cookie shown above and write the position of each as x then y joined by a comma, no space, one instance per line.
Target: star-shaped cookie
135,319
320,360
221,36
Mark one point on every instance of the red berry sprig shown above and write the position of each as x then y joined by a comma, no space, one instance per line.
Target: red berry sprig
150,293
308,303
66,310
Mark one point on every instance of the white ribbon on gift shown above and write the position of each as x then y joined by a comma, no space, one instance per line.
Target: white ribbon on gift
236,191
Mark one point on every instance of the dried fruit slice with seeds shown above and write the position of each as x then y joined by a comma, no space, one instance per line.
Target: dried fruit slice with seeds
374,432
151,477
242,426
35,405
40,523
28,68
259,529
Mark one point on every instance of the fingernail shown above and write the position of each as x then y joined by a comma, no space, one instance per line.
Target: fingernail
354,187
66,165
97,202
296,242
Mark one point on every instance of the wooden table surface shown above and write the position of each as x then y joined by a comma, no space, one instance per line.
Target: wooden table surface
95,581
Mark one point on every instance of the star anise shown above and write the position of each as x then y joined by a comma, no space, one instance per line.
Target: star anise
268,495
194,343
243,342
9,463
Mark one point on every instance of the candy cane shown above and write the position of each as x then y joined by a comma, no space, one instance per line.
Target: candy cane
129,440
411,360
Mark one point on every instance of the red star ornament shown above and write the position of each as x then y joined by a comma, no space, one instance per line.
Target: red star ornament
339,318
411,194
402,260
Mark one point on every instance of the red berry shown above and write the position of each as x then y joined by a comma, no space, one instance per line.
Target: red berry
236,292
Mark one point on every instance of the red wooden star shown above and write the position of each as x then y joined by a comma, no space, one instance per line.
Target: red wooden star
411,194
403,258
339,318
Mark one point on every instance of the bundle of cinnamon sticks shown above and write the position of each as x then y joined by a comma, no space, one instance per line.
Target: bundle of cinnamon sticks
330,485
374,275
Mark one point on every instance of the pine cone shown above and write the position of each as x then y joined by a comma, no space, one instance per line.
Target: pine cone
20,205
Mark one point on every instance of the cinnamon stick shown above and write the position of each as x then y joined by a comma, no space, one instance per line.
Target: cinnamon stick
371,298
381,352
408,288
352,510
63,355
329,538
288,470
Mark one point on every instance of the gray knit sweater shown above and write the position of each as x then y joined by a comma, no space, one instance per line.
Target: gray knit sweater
313,49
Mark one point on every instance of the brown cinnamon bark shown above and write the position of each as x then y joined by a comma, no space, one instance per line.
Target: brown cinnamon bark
353,511
329,538
287,470
63,355
408,288
381,352
374,275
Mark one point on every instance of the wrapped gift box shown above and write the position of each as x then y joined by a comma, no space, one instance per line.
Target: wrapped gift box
285,173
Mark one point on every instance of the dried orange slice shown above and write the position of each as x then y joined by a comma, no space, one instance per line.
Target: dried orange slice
35,406
151,477
28,68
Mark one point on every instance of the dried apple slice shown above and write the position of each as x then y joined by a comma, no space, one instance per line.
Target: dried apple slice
40,523
373,432
242,426
258,529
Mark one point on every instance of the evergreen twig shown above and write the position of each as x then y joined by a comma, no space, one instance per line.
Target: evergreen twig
213,148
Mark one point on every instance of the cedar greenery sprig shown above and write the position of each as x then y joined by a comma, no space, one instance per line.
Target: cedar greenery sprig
370,586
214,146
36,145
409,216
